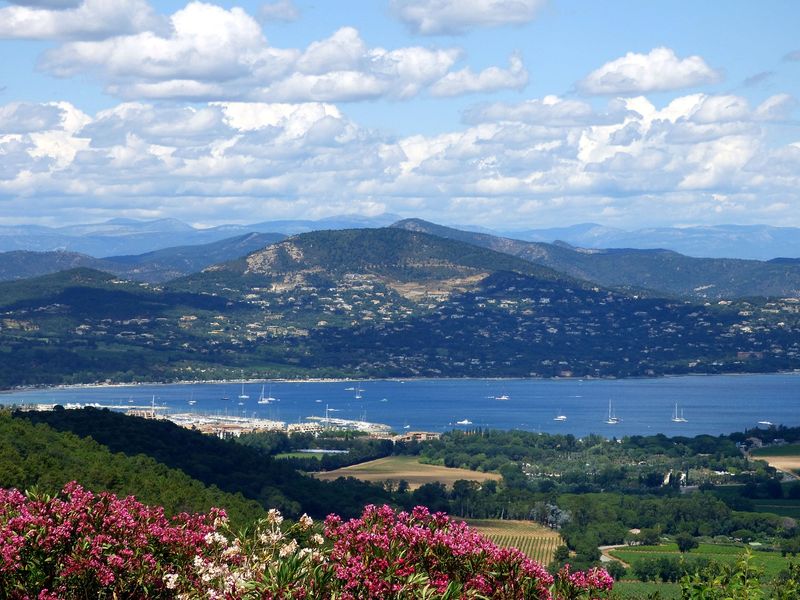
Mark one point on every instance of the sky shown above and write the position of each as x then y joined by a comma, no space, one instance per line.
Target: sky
505,114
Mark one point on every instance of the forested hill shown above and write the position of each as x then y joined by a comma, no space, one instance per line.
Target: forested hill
664,271
37,456
391,254
231,467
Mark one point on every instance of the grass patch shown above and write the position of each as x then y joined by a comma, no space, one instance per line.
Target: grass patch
785,450
784,508
537,542
642,590
771,562
407,468
314,455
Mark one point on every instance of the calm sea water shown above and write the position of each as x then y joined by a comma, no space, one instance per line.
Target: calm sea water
712,404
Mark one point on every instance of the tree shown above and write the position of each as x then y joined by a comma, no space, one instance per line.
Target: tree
685,542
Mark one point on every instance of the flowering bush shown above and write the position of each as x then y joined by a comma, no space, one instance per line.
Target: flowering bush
82,545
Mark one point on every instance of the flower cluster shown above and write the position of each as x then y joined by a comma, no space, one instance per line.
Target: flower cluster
388,554
578,584
79,544
104,546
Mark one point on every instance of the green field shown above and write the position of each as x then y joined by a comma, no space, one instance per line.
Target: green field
537,542
785,508
771,562
317,456
640,590
785,450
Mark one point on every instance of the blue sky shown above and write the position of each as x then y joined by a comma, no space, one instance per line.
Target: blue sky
503,114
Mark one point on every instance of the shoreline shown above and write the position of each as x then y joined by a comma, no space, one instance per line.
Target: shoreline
246,381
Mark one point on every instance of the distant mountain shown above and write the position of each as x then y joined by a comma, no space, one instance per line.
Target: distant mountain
129,236
21,264
759,242
169,263
662,271
295,226
157,266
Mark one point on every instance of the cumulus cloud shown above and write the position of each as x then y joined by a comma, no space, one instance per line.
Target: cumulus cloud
47,3
89,19
659,70
431,17
241,161
24,117
283,10
466,81
550,110
211,53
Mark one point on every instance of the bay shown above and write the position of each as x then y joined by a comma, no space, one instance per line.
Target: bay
710,404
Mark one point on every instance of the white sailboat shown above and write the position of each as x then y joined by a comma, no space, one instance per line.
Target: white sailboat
676,418
262,399
243,396
560,416
612,418
358,392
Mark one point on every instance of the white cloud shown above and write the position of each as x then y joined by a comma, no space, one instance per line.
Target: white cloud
283,10
776,108
206,43
89,19
216,54
431,17
550,110
548,158
659,70
490,79
19,117
56,4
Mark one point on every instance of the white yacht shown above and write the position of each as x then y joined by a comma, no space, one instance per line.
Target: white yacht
612,418
502,397
678,418
243,396
560,417
464,422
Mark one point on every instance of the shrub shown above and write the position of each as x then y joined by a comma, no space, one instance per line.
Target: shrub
84,545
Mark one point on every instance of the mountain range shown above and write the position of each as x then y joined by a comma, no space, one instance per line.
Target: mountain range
662,272
383,302
651,272
130,236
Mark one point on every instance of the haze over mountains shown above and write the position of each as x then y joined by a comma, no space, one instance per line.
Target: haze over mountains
129,236
655,272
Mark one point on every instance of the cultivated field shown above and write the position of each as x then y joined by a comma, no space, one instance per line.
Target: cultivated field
407,468
538,542
784,458
771,562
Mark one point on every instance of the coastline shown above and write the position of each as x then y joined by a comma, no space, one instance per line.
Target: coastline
311,380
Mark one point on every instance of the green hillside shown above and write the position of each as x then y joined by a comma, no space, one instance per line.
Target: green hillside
661,271
231,467
38,456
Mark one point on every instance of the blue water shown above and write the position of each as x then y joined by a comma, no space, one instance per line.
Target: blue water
712,404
